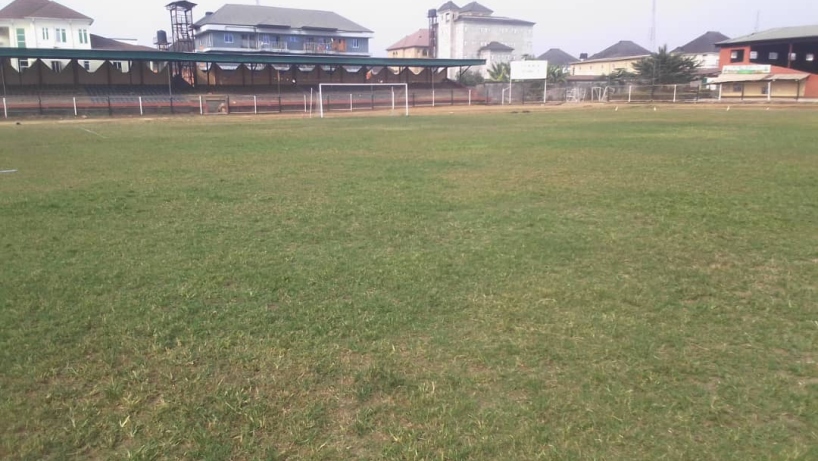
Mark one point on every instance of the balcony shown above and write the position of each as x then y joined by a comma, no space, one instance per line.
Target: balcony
318,48
273,47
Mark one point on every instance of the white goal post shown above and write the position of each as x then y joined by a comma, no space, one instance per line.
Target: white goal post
405,87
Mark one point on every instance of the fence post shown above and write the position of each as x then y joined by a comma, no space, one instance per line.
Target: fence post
630,92
40,104
769,91
228,105
469,97
172,111
280,109
350,102
721,87
393,98
75,106
373,101
110,109
433,98
674,92
201,105
141,111
452,96
413,100
255,104
5,109
305,103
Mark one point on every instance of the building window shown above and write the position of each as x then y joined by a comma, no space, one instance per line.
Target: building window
265,39
22,64
56,66
87,65
117,65
738,88
355,43
773,56
228,38
810,57
46,33
292,39
21,38
62,36
83,37
753,55
764,89
737,56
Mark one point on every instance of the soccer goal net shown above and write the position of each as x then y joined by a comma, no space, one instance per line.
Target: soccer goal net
350,97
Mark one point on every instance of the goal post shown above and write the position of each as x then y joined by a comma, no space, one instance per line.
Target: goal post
326,88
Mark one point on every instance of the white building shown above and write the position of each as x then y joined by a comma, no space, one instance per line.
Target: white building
473,32
704,51
48,24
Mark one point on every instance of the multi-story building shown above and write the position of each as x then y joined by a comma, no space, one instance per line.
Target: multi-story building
48,24
265,29
776,63
704,51
473,32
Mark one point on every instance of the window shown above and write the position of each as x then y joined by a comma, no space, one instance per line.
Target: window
773,56
46,33
22,64
793,56
738,88
117,65
87,65
810,57
265,39
83,36
737,56
355,43
56,66
292,39
228,38
21,38
753,55
62,36
764,89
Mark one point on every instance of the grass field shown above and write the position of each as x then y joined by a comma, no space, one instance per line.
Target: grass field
567,285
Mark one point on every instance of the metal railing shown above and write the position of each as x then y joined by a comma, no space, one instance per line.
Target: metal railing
304,102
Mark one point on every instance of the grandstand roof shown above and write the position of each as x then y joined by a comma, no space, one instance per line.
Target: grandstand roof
287,18
44,9
243,58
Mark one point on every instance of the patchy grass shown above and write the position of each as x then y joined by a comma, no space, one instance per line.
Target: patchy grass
565,285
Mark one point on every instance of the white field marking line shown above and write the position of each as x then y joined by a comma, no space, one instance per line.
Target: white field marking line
7,171
93,133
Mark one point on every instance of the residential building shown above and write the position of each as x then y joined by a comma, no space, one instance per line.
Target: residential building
48,24
559,58
415,45
473,31
704,51
266,29
776,63
619,57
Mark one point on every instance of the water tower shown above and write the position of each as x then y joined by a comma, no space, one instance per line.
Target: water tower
182,41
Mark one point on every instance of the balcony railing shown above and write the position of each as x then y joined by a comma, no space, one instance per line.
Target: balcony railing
318,48
273,47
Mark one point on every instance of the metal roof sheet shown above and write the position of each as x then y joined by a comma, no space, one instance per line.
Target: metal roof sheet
419,39
781,33
164,56
254,15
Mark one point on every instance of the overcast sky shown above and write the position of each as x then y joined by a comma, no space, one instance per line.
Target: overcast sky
576,26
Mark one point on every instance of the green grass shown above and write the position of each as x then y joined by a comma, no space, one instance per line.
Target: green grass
570,285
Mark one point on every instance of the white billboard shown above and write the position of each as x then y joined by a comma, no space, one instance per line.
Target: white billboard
529,70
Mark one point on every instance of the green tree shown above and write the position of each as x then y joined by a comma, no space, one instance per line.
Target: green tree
557,75
620,77
471,78
664,68
500,72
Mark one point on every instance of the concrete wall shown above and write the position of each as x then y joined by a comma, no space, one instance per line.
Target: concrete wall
758,90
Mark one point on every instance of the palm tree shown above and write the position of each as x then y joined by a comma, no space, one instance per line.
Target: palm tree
557,74
664,68
500,72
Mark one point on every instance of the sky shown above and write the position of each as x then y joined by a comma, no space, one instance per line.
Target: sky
576,26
